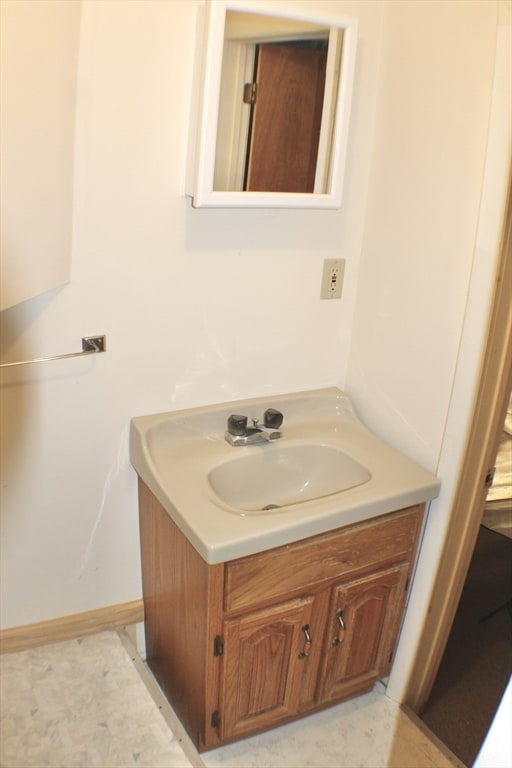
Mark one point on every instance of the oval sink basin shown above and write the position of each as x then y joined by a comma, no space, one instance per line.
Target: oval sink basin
276,477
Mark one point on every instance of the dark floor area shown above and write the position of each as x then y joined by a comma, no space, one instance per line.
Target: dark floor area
477,662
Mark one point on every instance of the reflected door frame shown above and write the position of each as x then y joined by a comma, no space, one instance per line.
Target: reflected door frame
234,115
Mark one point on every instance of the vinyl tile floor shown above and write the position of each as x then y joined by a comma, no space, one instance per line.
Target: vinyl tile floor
91,702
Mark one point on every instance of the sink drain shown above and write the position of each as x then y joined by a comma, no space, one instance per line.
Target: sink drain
270,506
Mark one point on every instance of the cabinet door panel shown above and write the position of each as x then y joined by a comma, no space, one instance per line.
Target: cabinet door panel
359,648
263,667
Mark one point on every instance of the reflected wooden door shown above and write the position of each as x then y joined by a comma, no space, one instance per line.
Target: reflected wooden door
286,117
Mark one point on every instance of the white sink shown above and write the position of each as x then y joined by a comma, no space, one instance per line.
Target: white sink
280,476
327,470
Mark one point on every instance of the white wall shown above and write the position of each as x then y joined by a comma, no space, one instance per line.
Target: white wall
438,185
200,306
197,306
425,188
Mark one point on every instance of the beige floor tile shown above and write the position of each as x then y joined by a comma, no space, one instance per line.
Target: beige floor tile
92,703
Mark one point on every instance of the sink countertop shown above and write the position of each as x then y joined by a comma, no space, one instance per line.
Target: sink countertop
174,453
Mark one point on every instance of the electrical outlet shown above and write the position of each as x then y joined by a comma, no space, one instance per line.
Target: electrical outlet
332,278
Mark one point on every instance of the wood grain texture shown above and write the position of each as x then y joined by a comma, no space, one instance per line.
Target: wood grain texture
371,610
68,627
262,668
353,550
178,586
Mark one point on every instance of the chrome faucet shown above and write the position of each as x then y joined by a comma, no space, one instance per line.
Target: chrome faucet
238,433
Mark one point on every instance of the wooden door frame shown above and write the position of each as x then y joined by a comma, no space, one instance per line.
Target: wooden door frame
479,457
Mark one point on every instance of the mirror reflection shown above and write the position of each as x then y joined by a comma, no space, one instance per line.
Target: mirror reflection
278,96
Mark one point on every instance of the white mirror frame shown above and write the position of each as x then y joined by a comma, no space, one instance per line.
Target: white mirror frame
202,156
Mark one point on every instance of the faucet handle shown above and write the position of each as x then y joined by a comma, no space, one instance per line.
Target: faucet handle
237,424
273,418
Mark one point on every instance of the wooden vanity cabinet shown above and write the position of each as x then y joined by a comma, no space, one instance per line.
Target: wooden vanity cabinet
243,646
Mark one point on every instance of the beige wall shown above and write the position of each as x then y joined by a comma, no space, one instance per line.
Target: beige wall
38,67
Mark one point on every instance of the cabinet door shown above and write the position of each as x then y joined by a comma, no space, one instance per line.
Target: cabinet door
364,620
265,655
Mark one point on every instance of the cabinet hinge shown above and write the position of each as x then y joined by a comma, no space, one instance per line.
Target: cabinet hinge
218,646
489,478
407,584
215,718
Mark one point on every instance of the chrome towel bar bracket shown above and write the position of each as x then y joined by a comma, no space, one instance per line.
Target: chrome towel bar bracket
91,345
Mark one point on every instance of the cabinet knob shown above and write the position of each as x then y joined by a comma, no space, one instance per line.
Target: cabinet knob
341,629
307,642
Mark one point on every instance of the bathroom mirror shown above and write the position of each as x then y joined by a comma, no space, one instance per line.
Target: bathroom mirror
274,106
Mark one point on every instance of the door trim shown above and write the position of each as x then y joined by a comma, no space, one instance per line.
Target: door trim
479,456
